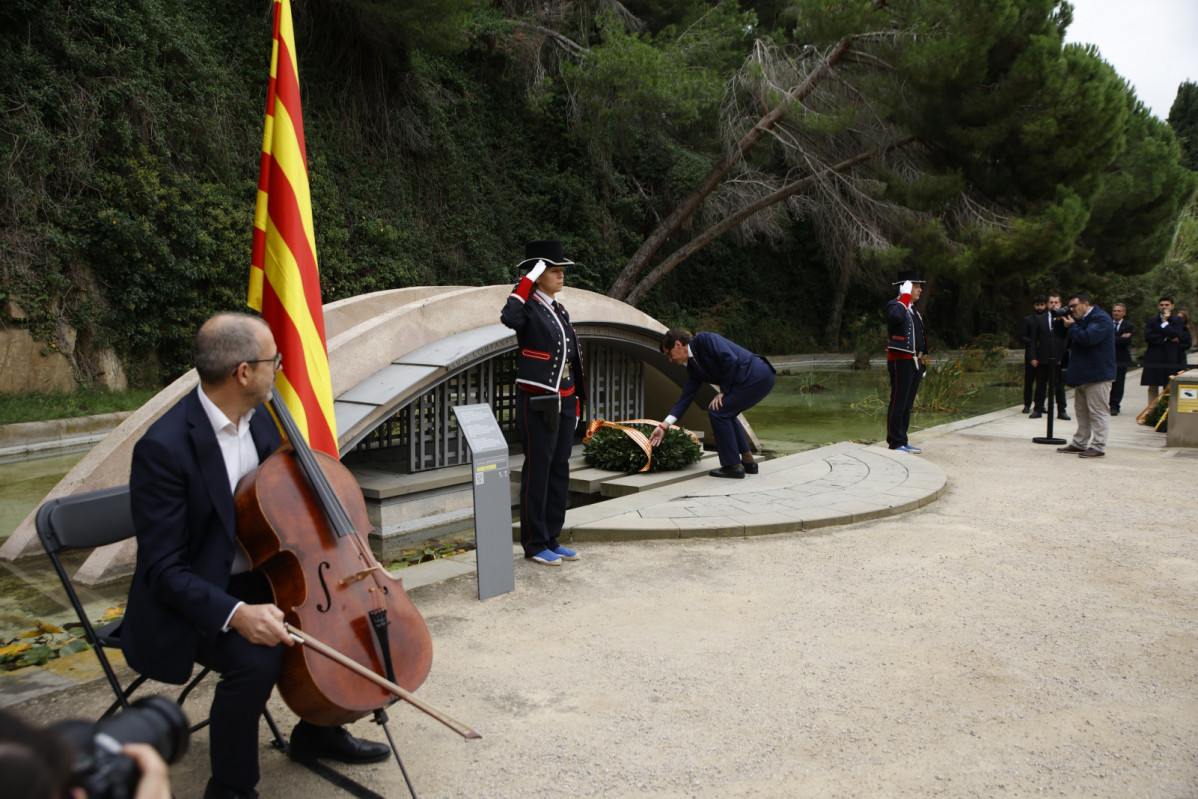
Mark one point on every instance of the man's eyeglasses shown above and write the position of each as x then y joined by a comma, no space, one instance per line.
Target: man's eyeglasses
1072,305
277,361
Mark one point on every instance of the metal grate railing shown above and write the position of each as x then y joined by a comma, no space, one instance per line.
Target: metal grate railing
425,433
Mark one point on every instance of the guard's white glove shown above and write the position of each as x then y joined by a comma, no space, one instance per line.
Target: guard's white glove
905,288
537,270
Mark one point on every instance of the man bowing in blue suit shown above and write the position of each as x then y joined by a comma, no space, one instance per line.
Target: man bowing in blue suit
193,598
744,379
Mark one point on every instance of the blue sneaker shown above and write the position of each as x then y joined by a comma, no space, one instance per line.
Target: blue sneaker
548,557
565,553
909,448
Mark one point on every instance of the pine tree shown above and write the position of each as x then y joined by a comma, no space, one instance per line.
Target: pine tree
1183,118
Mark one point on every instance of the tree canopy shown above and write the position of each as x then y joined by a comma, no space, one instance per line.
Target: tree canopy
759,167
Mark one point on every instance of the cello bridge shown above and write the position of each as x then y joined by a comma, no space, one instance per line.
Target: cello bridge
359,576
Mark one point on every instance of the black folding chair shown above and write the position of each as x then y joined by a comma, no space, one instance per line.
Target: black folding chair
96,519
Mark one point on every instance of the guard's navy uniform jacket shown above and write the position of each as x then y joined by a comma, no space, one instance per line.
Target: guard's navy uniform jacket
549,366
904,353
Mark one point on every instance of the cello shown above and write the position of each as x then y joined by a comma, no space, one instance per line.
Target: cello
299,519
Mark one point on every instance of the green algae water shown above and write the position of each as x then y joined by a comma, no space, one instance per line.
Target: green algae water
23,486
810,409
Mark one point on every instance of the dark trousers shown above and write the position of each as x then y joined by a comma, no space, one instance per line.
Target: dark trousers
1043,372
545,477
904,382
1058,379
1029,382
248,673
730,440
1117,388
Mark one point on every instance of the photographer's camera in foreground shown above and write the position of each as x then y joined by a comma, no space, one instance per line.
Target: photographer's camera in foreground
122,757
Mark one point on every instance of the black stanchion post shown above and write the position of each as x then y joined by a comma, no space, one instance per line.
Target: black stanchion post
1052,411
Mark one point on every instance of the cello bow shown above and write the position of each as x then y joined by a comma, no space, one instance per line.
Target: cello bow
329,652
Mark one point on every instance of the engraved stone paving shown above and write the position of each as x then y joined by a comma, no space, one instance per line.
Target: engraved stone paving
838,484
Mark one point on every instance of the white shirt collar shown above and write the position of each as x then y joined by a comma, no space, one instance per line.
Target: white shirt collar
217,418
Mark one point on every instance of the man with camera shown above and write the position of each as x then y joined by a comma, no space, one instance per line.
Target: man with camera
193,598
64,762
1091,336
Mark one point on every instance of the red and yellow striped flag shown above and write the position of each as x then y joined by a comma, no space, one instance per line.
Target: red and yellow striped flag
284,277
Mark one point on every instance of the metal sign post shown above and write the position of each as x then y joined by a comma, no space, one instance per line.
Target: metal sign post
492,500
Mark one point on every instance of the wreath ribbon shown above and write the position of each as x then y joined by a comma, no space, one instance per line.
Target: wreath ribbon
638,438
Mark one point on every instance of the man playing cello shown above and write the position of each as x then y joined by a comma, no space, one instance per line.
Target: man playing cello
193,598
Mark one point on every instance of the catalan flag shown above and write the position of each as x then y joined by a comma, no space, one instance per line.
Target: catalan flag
284,277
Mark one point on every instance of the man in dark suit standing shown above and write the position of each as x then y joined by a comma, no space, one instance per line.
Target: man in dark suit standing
1163,333
193,598
744,379
1124,330
1048,343
1091,372
1031,373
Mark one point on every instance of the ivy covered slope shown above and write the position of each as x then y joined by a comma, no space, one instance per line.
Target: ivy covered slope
134,131
443,134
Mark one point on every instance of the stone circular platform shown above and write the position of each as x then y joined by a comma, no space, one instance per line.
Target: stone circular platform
837,484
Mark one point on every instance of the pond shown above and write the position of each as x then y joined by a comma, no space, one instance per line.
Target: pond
811,409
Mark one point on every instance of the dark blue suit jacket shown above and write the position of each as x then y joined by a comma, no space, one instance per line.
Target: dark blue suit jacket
717,360
1123,345
185,521
1091,349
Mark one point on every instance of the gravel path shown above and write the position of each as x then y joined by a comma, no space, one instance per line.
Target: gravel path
1033,632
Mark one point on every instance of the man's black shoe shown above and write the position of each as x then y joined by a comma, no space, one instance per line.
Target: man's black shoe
750,468
309,742
1026,409
736,472
1036,414
1114,411
1064,417
218,790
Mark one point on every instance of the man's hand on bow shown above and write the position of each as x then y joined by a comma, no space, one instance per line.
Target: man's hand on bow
261,624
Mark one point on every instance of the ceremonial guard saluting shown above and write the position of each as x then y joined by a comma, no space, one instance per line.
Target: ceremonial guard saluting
551,391
906,350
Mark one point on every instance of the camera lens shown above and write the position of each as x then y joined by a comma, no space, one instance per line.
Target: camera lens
154,720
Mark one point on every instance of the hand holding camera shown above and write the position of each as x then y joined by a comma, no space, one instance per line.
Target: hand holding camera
125,756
